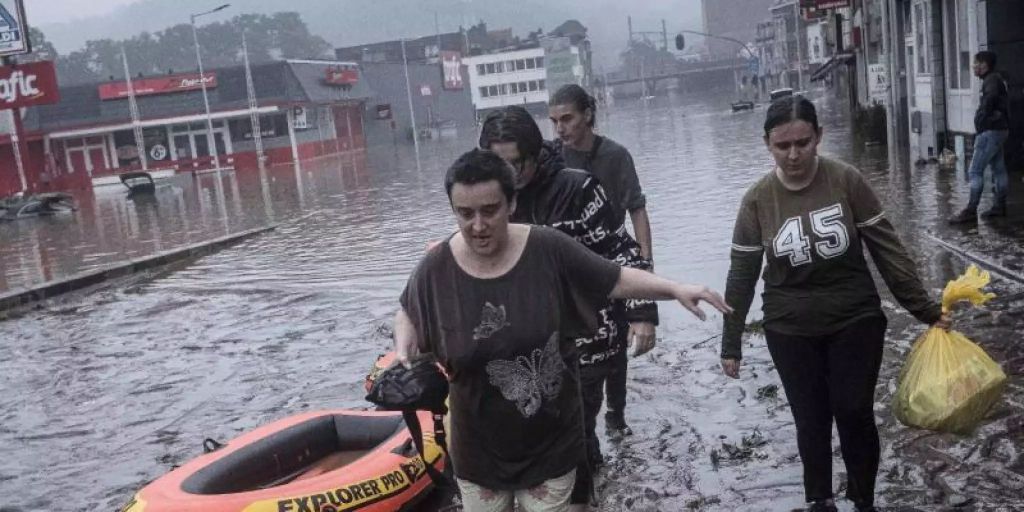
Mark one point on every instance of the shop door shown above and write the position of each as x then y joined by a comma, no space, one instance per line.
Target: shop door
77,161
97,158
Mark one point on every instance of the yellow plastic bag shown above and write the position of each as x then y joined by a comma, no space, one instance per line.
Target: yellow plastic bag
948,383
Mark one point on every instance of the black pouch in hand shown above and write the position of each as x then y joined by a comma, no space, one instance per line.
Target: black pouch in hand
421,387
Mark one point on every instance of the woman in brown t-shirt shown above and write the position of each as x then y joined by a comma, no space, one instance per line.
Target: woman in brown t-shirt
500,305
823,319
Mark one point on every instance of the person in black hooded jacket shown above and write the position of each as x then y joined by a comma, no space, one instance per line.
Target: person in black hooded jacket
572,201
992,126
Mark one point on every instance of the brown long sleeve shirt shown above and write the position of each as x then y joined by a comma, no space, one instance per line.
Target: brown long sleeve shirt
816,276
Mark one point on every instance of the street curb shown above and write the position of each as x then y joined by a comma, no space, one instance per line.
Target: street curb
990,265
16,298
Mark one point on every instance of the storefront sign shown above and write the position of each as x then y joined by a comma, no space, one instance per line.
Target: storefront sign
14,38
342,75
878,82
831,4
300,121
451,70
158,152
384,111
157,85
425,90
28,84
266,131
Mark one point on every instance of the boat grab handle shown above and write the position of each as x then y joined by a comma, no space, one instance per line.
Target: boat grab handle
211,445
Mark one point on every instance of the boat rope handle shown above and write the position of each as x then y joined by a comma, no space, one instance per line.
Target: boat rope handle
211,445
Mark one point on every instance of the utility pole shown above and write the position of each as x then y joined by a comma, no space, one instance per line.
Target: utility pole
437,30
412,110
799,52
664,35
133,109
890,72
254,115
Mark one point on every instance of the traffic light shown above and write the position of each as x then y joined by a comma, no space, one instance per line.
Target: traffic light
680,42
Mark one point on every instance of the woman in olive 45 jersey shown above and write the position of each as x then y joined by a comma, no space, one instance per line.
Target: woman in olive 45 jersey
823,321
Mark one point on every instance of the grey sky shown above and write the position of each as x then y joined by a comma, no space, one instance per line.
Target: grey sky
40,12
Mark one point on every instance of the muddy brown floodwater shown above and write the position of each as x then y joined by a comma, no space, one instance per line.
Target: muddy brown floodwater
107,391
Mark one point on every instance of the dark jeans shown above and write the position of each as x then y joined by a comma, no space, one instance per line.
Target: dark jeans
988,152
615,384
828,377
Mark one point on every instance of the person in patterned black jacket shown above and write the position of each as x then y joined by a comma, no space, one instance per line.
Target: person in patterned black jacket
572,201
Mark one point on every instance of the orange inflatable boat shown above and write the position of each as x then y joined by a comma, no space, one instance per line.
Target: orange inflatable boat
326,461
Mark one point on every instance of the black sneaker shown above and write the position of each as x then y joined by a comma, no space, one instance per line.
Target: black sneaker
995,211
615,426
966,216
823,506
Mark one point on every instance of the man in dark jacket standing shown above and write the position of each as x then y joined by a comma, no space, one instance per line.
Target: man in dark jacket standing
992,125
572,201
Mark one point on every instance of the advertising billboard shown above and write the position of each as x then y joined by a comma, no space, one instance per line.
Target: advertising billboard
157,85
451,70
29,84
13,28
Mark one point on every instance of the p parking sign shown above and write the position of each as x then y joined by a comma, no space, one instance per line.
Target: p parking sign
13,28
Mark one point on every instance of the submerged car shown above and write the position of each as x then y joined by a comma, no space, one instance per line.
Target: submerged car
37,205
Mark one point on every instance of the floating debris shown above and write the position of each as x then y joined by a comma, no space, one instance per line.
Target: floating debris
746,449
769,392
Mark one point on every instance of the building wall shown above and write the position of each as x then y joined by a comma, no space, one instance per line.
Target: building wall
501,81
737,19
1002,21
448,108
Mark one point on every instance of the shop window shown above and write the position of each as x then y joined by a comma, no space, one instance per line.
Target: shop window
504,89
155,142
533,85
490,68
483,92
480,69
958,46
492,90
531,63
271,125
127,151
520,65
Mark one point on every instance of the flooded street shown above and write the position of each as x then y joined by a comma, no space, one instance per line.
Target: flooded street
109,390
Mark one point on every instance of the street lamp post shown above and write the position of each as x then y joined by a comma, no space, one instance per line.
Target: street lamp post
680,41
210,141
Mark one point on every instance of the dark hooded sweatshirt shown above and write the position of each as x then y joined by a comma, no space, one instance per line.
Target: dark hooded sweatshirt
573,202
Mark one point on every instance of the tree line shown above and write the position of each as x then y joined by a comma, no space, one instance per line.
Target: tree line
280,36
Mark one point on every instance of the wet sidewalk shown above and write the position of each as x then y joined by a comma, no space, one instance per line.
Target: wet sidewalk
734,448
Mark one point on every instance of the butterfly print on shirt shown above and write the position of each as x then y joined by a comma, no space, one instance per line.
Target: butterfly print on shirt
492,320
530,380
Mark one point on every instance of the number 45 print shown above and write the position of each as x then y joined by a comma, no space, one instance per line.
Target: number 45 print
827,223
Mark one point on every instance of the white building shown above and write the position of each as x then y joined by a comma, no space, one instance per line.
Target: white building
516,77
